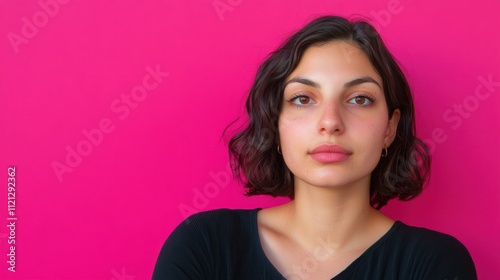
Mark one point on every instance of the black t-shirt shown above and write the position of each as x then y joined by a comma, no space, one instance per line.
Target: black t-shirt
225,244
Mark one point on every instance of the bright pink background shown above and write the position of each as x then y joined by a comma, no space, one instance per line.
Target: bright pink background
108,218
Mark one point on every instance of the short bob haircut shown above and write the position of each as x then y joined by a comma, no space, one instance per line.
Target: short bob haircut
254,157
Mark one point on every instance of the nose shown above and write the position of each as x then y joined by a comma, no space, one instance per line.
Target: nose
331,120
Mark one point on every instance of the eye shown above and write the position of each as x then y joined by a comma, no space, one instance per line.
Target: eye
301,100
361,100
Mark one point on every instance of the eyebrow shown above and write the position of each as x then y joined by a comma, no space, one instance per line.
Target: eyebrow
303,81
361,80
349,84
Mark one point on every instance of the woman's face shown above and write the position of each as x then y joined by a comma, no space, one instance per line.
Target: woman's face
334,121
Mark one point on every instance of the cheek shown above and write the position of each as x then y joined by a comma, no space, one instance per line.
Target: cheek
292,143
369,134
373,125
295,136
292,130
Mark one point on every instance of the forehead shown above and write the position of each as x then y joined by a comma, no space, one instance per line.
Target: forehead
341,60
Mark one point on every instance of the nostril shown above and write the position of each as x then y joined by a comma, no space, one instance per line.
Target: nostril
331,123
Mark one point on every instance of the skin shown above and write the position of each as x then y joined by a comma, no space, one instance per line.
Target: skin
330,221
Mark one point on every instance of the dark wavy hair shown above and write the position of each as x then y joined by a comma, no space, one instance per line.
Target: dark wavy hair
254,158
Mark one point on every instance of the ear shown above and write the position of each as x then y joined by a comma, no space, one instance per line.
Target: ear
392,127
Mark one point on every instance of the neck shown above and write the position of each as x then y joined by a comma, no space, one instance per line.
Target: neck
340,215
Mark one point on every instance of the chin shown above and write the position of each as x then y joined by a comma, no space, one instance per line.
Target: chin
334,178
330,181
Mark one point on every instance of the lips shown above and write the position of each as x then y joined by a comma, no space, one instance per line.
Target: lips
330,153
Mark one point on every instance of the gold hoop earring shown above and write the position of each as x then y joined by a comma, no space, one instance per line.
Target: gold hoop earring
279,150
385,152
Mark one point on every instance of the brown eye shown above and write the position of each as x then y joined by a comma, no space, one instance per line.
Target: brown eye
304,100
301,100
361,100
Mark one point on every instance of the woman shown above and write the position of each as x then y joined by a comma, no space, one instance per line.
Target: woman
331,125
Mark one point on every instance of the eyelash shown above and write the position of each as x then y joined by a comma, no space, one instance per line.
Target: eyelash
296,96
370,98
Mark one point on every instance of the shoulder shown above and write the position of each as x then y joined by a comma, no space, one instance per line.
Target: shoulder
434,254
190,249
431,241
214,221
214,224
220,216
